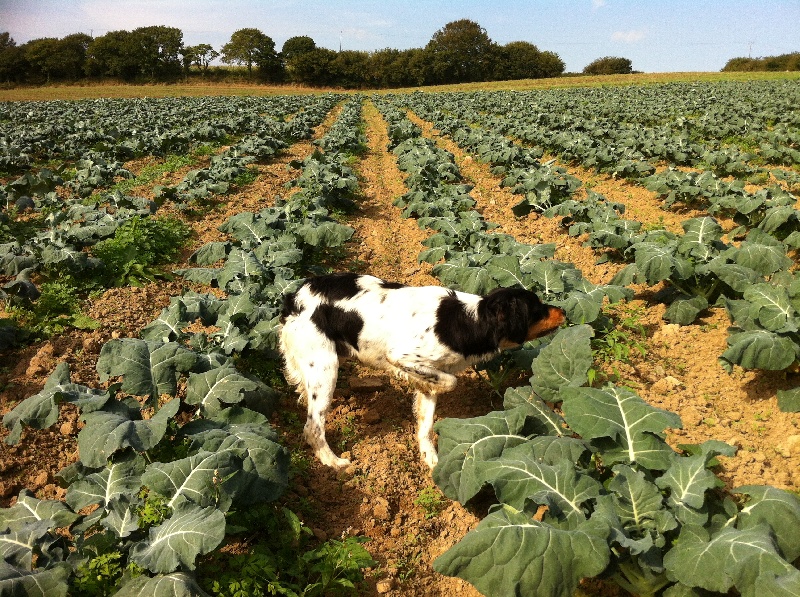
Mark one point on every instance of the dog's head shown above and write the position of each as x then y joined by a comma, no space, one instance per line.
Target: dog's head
520,316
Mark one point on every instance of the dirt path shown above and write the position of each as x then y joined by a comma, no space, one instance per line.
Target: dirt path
372,418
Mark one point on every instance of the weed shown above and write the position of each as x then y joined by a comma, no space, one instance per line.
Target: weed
57,309
137,246
246,177
624,335
99,576
282,562
763,416
153,511
154,172
431,501
407,566
268,370
206,149
348,432
299,464
657,225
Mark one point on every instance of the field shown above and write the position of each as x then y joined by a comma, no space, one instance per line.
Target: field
144,401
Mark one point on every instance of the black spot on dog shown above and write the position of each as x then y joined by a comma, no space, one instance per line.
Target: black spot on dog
391,285
340,326
335,287
457,329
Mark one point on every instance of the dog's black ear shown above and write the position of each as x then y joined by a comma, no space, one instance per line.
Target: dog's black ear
289,306
509,310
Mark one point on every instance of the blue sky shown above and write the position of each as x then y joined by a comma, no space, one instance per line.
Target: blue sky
657,36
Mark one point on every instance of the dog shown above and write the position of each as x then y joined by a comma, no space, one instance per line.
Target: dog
423,335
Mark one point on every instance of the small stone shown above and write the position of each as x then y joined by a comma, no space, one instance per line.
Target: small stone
665,385
39,480
320,534
790,446
735,415
42,361
364,385
91,345
7,488
68,428
371,417
384,586
381,509
670,329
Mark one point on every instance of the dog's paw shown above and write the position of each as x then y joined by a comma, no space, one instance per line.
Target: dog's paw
430,458
335,462
340,464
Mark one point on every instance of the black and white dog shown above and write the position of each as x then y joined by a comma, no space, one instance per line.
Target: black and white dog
423,335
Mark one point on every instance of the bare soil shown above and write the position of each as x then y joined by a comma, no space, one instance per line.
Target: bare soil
379,495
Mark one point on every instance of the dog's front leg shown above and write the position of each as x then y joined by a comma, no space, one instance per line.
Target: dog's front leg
320,382
424,408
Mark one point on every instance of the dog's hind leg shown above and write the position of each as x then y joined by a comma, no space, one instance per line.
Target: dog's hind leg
430,382
424,408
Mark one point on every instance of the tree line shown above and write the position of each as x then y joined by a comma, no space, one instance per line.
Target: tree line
460,52
784,62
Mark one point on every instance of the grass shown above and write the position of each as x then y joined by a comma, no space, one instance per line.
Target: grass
93,91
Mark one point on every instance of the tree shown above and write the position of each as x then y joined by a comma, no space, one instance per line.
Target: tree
350,69
784,62
12,59
252,47
159,49
115,54
398,68
294,46
201,55
523,60
42,56
314,68
551,65
461,52
50,59
609,65
73,50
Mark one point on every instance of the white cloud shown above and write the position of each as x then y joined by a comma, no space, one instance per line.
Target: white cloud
628,37
597,4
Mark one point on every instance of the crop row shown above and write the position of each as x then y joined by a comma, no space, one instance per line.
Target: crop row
591,488
723,126
123,129
163,488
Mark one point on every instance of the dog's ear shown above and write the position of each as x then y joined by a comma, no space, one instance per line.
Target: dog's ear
508,311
